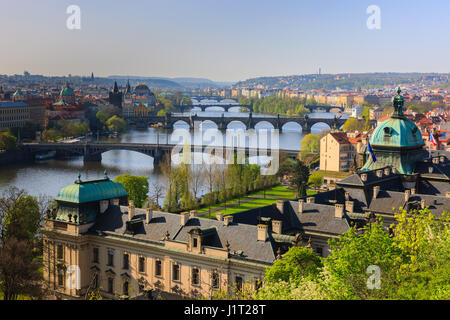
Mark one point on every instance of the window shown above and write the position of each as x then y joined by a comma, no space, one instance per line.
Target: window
59,252
215,280
258,284
125,288
95,252
126,261
195,243
158,268
110,285
176,272
110,258
141,264
195,276
60,277
239,283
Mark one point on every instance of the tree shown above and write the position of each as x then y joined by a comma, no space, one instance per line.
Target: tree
296,264
7,141
156,193
137,187
299,178
316,179
52,135
311,143
19,273
116,124
352,124
102,116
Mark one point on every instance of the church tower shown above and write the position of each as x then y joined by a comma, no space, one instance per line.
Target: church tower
115,97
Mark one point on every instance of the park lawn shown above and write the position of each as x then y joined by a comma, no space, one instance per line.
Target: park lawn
272,195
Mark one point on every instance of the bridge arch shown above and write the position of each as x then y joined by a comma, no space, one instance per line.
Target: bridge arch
236,125
217,108
264,124
208,124
234,109
180,124
292,126
319,127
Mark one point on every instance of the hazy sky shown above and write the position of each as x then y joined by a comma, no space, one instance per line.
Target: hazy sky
223,40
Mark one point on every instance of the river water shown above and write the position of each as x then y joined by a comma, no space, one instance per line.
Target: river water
49,176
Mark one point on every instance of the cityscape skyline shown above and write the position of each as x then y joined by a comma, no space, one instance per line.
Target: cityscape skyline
224,41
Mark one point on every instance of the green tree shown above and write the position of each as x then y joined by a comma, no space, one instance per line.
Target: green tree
7,141
299,177
102,116
316,179
116,124
311,143
352,124
22,218
137,187
296,264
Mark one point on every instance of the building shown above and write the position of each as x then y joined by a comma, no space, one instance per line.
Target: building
126,251
141,96
115,96
13,114
376,113
337,152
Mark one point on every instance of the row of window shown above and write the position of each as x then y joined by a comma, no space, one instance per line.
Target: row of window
195,276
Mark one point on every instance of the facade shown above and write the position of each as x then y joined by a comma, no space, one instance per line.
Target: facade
338,151
13,114
141,96
376,113
115,96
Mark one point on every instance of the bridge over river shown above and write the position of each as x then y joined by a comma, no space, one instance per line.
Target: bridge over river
222,122
92,151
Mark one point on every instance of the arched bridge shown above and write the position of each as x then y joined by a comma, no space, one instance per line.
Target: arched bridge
225,107
250,122
92,151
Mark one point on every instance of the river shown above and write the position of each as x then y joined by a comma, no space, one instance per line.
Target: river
48,177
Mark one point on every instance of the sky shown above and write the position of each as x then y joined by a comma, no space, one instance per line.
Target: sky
223,40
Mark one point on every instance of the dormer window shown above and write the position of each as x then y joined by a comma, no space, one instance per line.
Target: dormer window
387,131
195,243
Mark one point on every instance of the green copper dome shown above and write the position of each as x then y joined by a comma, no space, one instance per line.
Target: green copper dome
397,131
90,191
396,142
67,91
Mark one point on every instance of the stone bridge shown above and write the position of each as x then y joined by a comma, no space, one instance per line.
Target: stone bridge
250,122
225,107
92,151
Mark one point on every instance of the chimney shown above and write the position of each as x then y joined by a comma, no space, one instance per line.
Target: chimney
148,215
310,200
131,210
227,220
338,210
280,205
376,190
184,218
347,196
407,194
300,205
192,213
349,206
379,173
277,226
364,177
430,169
219,216
447,194
441,159
387,171
413,191
422,204
263,234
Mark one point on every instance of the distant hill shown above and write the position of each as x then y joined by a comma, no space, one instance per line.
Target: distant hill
174,83
345,81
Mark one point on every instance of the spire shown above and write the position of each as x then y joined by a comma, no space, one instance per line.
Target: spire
106,174
116,89
398,103
128,89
